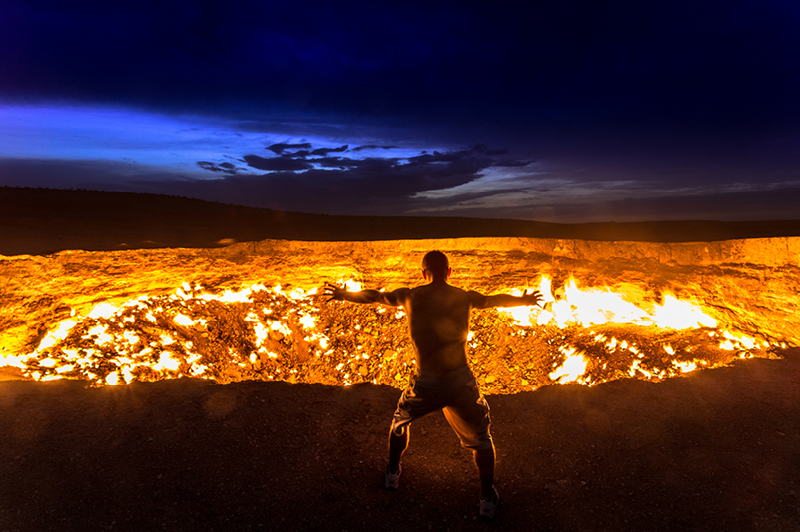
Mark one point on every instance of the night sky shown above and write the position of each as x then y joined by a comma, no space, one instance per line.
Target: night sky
559,111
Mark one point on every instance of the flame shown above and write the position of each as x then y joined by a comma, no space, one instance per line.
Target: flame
56,335
675,314
351,285
103,310
737,342
600,306
572,369
289,333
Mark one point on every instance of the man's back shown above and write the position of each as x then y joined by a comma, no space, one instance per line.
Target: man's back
439,325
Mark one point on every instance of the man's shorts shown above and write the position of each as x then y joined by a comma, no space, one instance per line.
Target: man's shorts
457,394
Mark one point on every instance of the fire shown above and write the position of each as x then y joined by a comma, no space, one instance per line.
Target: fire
675,314
351,286
572,369
600,306
584,336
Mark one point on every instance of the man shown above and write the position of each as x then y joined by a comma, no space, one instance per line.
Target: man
438,315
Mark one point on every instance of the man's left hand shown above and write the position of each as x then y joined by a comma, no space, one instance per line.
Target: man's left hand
534,297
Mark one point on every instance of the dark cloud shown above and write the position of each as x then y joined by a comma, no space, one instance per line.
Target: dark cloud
275,164
343,184
305,150
344,162
373,147
225,168
477,156
299,154
326,151
281,147
376,164
439,168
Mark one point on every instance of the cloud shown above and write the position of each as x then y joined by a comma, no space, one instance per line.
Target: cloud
299,154
338,185
326,151
281,147
396,178
477,154
373,163
373,147
224,168
275,164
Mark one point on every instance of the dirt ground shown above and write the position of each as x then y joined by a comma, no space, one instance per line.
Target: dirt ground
714,450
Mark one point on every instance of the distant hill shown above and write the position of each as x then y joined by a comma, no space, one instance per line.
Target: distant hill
41,221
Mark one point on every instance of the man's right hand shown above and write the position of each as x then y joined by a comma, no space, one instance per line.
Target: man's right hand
334,292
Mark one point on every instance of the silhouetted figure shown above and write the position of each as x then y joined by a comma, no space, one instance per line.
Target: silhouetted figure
438,315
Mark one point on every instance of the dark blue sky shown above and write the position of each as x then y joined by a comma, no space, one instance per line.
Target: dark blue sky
556,111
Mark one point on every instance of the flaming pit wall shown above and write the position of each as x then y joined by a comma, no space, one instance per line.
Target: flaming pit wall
255,310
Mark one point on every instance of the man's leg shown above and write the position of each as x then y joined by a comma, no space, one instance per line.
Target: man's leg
469,418
397,446
484,460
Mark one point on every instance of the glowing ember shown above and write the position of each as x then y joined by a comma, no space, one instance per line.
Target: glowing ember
288,333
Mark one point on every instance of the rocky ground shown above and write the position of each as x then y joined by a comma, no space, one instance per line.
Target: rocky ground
715,450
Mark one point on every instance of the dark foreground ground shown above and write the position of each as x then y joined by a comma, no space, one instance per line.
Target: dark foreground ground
715,450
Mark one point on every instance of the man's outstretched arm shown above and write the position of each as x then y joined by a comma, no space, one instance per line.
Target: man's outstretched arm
479,300
395,298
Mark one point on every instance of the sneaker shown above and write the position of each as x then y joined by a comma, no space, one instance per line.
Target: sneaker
488,508
392,480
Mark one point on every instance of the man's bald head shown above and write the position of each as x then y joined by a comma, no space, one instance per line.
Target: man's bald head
435,264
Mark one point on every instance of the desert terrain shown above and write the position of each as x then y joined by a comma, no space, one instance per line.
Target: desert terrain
711,450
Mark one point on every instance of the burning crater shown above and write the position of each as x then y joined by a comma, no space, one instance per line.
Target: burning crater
255,310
